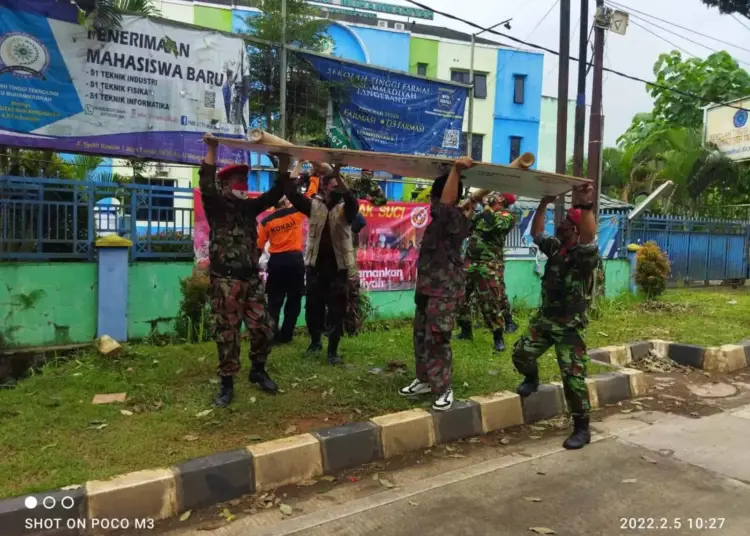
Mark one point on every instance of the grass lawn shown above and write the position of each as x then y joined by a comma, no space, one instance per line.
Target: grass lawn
51,435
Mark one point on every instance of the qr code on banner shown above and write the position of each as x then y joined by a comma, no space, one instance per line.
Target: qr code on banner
209,99
451,139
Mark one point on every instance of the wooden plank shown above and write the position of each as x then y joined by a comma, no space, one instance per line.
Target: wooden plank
495,177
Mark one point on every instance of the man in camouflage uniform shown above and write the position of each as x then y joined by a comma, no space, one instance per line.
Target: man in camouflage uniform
440,287
572,257
236,293
485,278
369,190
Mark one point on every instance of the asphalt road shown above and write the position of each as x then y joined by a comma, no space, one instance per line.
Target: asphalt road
645,473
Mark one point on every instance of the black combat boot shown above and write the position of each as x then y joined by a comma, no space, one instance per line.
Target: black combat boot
581,435
529,385
226,392
260,377
333,350
497,337
315,347
466,331
510,326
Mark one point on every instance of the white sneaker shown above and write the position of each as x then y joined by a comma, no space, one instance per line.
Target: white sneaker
415,388
444,401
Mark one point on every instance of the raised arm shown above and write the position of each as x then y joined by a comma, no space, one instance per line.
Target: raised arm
269,198
207,173
549,245
583,198
450,191
351,205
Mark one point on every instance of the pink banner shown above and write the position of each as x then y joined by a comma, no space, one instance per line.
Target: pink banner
388,245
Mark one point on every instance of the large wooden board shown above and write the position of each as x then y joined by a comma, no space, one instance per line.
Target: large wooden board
529,183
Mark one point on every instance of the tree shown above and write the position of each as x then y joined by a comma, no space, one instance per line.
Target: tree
718,78
107,14
307,96
730,6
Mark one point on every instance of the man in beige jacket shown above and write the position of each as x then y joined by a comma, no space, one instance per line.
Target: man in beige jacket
329,259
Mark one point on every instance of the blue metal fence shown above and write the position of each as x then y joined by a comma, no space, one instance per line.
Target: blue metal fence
698,249
46,219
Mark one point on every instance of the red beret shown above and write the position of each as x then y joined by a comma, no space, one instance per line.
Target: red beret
574,215
232,169
510,199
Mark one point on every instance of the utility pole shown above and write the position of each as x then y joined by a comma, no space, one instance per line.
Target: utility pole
471,99
282,74
580,125
562,101
596,128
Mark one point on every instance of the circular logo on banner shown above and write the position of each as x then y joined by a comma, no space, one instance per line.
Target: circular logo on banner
740,118
419,216
24,54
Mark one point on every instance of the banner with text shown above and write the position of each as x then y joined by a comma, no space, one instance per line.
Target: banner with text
388,245
145,90
383,111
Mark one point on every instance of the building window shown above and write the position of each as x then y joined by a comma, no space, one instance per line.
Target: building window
519,88
480,82
422,69
477,142
480,86
462,77
515,147
162,201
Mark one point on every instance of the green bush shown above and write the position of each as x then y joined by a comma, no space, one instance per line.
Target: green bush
194,323
651,270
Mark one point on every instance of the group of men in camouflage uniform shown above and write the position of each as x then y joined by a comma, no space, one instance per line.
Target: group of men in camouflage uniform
450,271
444,287
485,279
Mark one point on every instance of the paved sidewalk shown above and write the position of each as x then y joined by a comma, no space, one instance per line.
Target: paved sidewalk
645,473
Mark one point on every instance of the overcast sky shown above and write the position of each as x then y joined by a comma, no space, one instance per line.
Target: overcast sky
633,53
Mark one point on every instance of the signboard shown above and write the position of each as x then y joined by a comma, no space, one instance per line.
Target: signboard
145,90
382,111
389,244
379,7
728,128
609,233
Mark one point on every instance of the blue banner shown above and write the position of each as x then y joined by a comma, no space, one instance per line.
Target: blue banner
382,111
609,234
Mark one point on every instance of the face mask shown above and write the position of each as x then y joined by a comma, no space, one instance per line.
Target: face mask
335,197
239,194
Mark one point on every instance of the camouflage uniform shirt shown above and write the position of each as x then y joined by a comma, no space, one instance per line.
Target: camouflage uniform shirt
441,265
566,284
233,250
366,188
489,228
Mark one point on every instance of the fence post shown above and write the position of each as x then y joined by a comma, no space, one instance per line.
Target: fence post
112,288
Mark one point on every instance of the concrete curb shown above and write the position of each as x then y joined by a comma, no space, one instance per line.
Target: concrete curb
721,359
161,493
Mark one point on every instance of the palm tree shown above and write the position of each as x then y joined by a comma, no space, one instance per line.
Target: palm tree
107,14
84,165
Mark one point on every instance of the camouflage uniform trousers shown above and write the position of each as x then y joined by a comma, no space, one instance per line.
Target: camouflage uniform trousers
485,288
353,316
567,336
433,325
234,302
